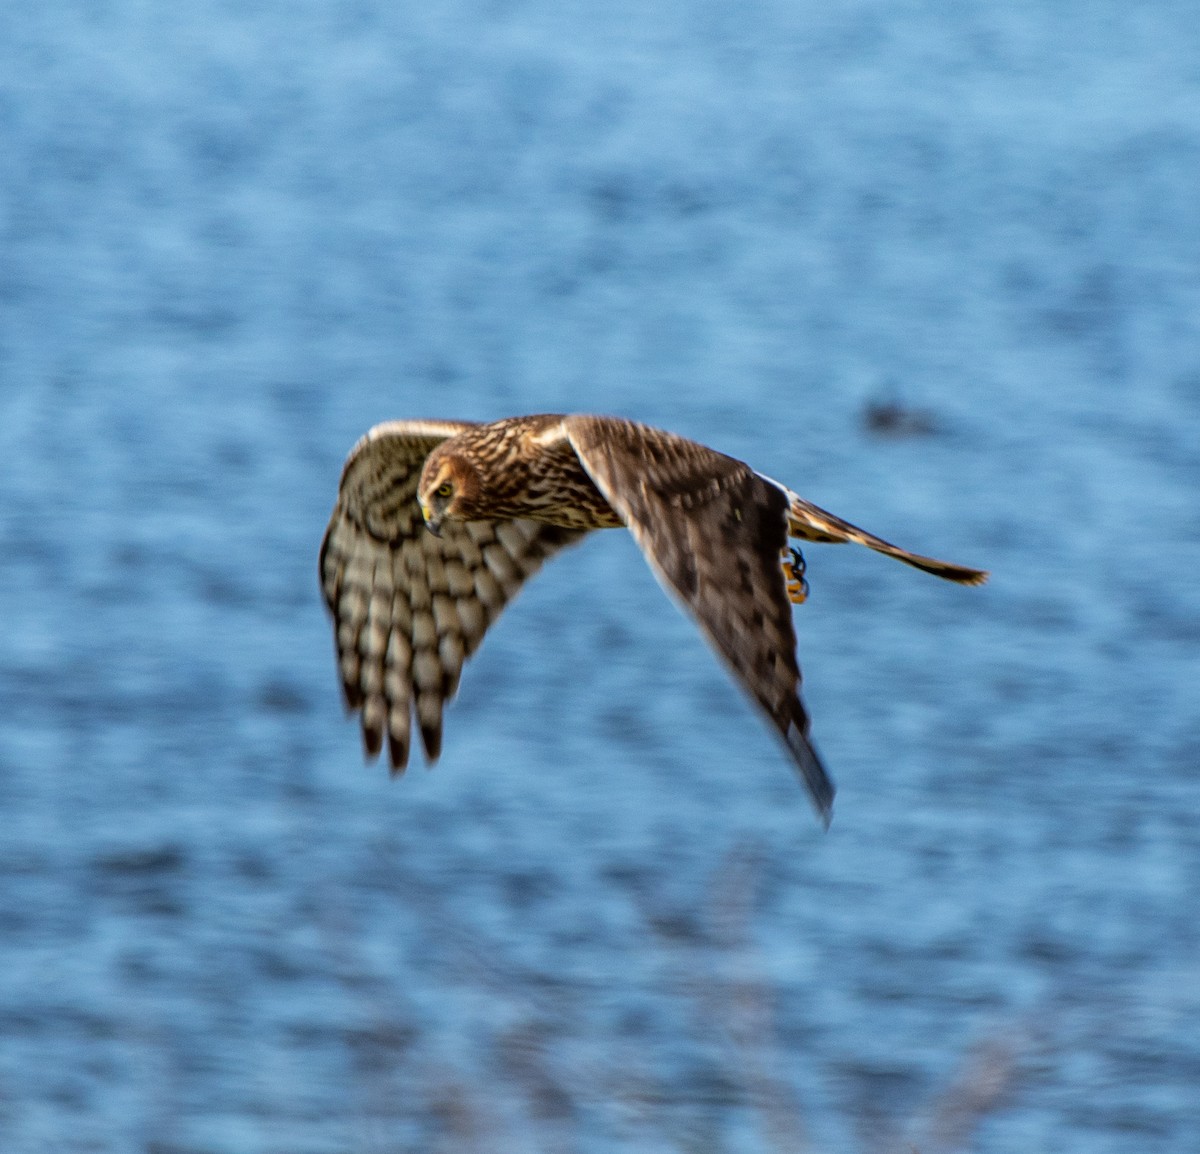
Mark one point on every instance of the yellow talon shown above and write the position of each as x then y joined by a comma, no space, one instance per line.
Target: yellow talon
793,570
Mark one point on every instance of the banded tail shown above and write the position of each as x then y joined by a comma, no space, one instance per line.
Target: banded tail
810,523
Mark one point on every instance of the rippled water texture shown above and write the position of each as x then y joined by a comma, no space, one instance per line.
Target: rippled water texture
233,236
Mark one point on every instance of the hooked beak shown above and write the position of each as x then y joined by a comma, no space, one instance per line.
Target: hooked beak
432,523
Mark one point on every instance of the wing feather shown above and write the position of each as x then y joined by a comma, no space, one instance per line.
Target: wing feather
409,609
712,531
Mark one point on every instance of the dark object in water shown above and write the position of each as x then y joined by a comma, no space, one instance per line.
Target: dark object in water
892,418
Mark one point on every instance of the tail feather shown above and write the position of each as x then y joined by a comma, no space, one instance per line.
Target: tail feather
810,523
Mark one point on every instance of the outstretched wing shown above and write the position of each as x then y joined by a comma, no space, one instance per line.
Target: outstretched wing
410,608
713,531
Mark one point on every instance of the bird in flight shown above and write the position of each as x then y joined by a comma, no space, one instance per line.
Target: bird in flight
438,523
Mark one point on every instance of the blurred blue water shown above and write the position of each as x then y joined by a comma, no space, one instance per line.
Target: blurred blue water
233,236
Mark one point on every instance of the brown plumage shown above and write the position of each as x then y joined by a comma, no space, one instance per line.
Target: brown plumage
438,523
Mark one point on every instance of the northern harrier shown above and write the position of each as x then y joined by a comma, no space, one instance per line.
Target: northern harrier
438,523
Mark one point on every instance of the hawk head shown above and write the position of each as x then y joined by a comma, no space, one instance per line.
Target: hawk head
449,488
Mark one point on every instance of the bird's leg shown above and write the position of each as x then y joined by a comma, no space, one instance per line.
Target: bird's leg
793,570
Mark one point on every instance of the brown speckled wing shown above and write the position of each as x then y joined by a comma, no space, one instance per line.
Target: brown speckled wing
712,530
410,608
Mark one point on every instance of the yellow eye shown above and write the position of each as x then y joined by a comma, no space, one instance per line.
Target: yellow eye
444,489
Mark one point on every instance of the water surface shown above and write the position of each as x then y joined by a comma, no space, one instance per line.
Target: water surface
233,237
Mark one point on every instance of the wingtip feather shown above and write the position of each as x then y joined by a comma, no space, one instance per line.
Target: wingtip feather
820,786
431,739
